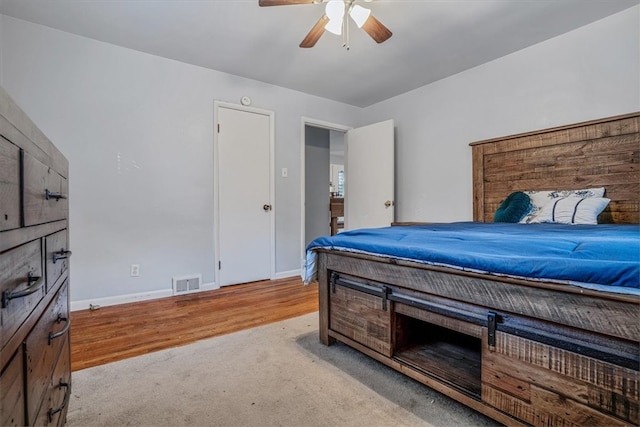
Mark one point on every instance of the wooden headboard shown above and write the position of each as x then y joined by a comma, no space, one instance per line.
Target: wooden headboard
598,153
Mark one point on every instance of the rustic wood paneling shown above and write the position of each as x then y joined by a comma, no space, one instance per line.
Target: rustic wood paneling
553,409
623,381
11,384
550,379
362,318
508,404
558,305
600,153
599,389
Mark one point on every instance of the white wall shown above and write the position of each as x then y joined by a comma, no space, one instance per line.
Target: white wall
589,73
138,132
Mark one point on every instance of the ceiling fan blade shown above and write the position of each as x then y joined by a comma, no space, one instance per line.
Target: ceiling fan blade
284,2
315,33
376,29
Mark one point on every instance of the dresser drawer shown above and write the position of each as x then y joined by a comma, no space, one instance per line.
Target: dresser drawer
12,396
22,285
56,256
56,400
45,193
9,185
42,349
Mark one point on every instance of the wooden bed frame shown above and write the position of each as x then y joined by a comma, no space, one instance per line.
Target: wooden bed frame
522,352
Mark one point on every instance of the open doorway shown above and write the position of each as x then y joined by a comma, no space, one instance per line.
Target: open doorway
324,181
323,146
368,177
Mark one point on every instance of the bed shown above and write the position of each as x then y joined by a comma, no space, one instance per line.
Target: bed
517,340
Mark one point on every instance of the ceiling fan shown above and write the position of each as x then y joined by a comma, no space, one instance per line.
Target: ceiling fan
336,17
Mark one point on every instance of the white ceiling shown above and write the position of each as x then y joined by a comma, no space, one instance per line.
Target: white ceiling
432,39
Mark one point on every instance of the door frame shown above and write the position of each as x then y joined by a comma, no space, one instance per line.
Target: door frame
319,124
216,201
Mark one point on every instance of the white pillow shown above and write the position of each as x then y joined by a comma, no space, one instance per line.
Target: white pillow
572,210
539,199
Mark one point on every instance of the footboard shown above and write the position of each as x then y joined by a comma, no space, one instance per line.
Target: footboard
562,358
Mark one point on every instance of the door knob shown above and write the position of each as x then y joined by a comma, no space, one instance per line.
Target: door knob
388,203
266,207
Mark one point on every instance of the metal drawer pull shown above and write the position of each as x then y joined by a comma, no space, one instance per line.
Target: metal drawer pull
61,254
64,330
51,195
65,402
35,283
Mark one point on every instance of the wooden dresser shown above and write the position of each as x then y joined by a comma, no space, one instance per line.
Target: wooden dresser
35,368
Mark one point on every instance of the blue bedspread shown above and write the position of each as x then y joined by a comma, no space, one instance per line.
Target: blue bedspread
604,257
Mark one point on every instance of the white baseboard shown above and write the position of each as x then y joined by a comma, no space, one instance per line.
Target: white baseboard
285,274
123,299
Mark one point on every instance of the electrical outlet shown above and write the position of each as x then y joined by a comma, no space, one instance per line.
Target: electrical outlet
135,270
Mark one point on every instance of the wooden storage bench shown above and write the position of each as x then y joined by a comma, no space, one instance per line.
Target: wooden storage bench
512,365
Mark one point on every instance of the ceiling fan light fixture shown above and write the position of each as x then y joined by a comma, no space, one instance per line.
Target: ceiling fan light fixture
335,19
334,9
335,12
334,26
359,15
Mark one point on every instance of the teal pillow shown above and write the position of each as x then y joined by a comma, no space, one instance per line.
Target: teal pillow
513,208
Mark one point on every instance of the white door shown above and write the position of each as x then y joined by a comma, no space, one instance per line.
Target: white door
244,202
369,176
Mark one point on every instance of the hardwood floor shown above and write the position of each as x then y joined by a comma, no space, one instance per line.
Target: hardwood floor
118,332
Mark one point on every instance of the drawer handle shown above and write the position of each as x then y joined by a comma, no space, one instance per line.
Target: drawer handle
35,283
61,254
60,319
65,402
51,195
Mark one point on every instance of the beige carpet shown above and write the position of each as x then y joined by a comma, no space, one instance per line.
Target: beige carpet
273,375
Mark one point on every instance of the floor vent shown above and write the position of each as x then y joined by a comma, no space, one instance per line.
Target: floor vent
186,284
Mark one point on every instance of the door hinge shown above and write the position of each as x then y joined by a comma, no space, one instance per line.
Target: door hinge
219,265
218,127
